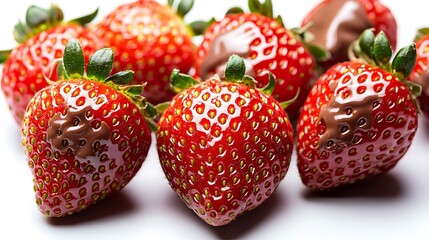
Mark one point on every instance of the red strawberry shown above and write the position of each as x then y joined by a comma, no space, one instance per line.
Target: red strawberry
84,137
266,45
359,119
27,65
152,40
336,24
420,73
224,146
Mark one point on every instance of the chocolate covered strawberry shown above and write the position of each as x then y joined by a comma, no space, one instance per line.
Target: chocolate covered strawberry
266,46
224,146
151,39
42,40
336,24
85,137
360,117
420,73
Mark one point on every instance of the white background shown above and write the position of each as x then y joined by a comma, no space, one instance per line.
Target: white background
393,206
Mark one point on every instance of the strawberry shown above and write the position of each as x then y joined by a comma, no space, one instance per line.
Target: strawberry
85,137
224,146
420,73
336,24
360,117
266,45
152,40
42,41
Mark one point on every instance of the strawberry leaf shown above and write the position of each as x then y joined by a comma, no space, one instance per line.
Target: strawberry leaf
234,10
382,50
100,64
319,53
287,103
265,8
198,27
235,68
184,7
37,16
73,59
268,8
161,107
404,61
4,55
121,78
366,42
248,81
85,19
180,81
271,85
21,32
255,6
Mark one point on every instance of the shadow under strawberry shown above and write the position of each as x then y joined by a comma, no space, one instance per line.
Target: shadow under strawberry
117,204
244,223
386,186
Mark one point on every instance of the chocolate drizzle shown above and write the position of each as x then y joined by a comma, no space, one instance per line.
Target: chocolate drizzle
337,24
72,132
344,116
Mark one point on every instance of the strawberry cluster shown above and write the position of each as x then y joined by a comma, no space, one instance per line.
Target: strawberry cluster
222,111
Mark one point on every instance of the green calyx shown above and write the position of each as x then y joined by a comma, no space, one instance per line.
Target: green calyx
98,69
376,50
234,72
264,8
38,19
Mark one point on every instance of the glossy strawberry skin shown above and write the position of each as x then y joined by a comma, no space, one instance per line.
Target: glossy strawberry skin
270,47
83,140
150,39
420,73
24,71
371,149
224,148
